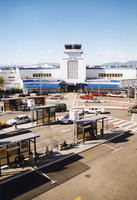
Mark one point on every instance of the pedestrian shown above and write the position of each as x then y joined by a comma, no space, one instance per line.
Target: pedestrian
16,161
64,143
15,126
51,152
47,151
21,160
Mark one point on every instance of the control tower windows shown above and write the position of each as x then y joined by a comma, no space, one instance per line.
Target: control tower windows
73,46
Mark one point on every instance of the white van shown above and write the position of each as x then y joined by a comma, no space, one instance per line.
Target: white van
94,110
71,116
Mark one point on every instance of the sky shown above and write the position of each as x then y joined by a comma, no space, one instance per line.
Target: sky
35,31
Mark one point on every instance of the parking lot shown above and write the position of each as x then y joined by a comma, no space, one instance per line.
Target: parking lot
54,134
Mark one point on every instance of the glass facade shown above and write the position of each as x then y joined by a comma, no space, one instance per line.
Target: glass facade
72,69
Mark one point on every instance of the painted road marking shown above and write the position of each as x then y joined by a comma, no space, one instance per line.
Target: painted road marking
65,130
132,118
120,121
53,126
127,127
109,146
45,175
135,129
114,149
113,120
78,198
124,124
117,149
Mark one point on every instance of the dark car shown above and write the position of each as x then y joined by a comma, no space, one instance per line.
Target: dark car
60,107
133,109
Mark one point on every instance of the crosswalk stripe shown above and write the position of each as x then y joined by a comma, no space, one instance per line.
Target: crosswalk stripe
113,120
127,127
120,121
134,130
124,124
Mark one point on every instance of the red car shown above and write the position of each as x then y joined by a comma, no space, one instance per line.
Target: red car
87,96
98,94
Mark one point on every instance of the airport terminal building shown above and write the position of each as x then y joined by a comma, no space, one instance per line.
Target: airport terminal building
73,74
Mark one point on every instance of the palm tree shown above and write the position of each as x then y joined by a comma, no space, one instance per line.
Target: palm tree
63,86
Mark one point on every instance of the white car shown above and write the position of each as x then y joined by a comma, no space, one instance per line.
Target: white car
95,100
94,110
20,119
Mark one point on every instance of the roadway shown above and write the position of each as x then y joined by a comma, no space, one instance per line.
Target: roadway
105,172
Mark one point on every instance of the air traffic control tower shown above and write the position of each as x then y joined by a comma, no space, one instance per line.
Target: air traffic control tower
73,65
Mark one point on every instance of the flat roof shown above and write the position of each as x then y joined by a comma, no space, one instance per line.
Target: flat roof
91,119
17,138
40,107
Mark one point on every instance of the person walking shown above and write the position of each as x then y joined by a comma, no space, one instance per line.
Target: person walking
47,151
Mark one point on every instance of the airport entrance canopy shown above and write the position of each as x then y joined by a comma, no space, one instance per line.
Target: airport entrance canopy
128,83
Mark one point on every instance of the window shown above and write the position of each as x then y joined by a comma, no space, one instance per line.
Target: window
72,69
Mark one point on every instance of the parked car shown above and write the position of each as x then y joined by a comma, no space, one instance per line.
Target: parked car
116,95
95,100
2,124
20,119
133,109
58,97
60,107
94,110
98,94
87,96
71,116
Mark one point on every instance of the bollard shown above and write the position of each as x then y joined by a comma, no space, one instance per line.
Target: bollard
15,125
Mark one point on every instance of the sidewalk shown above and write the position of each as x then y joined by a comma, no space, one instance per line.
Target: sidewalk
58,155
21,126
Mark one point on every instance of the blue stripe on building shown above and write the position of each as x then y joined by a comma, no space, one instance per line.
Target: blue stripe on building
41,85
102,86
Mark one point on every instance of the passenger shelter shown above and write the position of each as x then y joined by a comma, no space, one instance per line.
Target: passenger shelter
15,144
12,103
88,128
44,114
39,100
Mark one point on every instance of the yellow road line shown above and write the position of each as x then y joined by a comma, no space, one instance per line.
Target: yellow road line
78,198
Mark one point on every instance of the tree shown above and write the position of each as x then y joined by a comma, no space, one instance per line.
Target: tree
63,86
1,82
